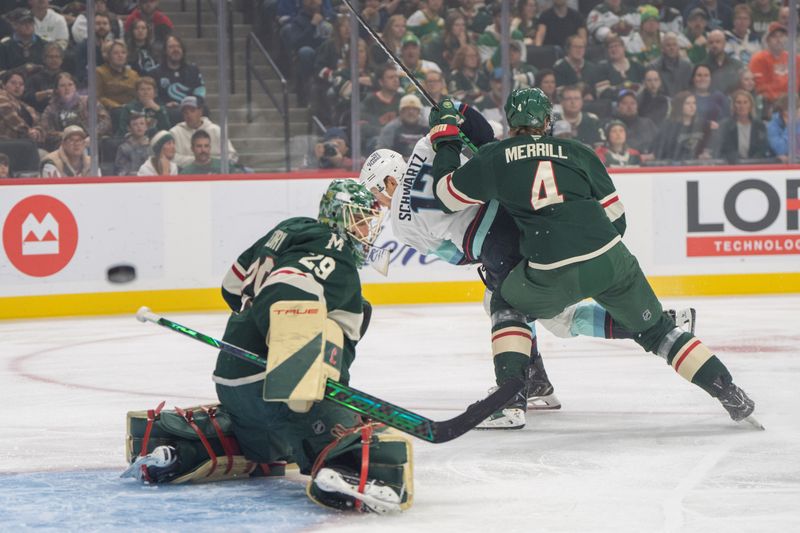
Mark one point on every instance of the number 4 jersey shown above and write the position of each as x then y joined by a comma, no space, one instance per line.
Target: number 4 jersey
557,190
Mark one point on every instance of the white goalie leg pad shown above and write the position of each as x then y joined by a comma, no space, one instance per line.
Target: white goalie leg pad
305,349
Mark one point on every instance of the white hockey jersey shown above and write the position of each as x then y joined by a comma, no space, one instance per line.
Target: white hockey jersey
415,218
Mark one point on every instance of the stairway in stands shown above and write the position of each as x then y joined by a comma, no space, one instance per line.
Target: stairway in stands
260,143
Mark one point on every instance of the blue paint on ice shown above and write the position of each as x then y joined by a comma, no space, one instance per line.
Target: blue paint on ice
98,500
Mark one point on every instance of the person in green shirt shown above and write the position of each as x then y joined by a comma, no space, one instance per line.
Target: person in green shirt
571,222
203,162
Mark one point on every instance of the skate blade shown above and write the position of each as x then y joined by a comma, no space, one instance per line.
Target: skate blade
544,403
753,422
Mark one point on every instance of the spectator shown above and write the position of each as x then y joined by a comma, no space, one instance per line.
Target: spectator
148,11
202,162
644,44
402,133
562,129
24,46
615,152
470,10
18,120
80,27
160,163
135,149
376,13
392,36
39,87
641,130
610,17
712,105
68,108
670,18
380,107
675,71
558,23
70,159
770,66
434,84
653,100
4,167
742,136
573,68
585,126
616,72
194,121
333,151
410,55
493,102
303,35
685,136
523,75
546,81
331,53
116,81
526,20
467,80
764,13
141,52
427,21
489,41
176,78
441,48
48,24
696,25
741,42
778,129
338,97
747,82
104,38
719,13
145,104
724,68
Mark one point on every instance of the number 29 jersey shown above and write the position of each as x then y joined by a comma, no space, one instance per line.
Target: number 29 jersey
557,191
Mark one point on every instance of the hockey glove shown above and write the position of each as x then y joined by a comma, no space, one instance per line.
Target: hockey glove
444,123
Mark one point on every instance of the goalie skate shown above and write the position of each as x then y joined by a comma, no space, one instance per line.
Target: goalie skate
158,466
341,486
510,417
684,318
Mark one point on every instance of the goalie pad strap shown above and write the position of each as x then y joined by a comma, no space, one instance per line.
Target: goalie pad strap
366,437
189,416
152,415
229,446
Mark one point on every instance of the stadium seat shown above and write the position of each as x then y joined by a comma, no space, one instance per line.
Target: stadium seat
23,157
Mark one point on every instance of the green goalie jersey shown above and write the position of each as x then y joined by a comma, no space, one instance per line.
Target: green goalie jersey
557,190
300,259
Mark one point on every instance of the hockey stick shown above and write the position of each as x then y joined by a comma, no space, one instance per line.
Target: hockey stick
366,404
396,60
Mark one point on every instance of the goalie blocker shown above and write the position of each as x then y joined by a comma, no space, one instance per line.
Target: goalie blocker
354,465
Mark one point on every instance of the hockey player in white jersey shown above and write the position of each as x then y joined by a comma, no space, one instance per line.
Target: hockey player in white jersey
483,234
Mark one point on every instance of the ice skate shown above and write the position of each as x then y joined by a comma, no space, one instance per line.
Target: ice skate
736,402
510,417
684,318
158,466
541,395
339,489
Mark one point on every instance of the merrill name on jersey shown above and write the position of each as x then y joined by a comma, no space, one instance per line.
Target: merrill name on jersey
526,151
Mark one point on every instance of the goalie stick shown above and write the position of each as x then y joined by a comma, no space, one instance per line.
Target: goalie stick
364,403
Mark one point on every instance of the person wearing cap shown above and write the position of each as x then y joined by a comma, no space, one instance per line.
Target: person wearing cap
574,68
718,12
411,56
49,25
675,70
770,66
24,46
641,131
644,44
194,121
380,107
608,18
161,163
696,27
489,40
616,71
558,23
332,151
427,21
70,160
68,108
741,42
724,68
135,149
144,104
615,151
402,133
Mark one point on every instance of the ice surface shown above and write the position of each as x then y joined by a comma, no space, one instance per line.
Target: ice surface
634,448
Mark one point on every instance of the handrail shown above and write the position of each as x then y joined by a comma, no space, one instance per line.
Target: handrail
250,73
231,52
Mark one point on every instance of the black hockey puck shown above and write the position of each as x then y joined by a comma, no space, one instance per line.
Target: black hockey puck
121,273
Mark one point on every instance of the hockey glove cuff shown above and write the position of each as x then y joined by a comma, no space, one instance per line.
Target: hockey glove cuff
444,133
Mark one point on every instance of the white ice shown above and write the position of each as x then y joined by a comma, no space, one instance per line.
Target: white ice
634,448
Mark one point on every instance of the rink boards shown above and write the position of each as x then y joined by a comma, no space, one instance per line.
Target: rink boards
695,231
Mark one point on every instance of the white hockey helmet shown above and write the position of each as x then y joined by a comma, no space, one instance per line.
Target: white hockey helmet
381,163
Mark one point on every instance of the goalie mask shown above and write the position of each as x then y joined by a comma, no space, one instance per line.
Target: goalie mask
380,164
352,211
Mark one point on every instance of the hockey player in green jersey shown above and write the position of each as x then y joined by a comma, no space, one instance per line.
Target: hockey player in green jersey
294,286
571,223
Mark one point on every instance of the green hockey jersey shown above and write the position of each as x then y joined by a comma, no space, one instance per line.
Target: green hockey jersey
299,259
557,190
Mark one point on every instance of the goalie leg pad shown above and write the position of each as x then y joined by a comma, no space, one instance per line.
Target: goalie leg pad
305,349
368,473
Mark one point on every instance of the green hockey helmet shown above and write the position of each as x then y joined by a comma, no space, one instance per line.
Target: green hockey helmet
528,107
354,213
